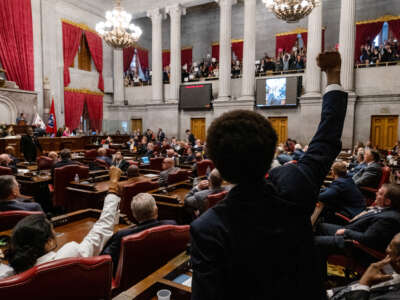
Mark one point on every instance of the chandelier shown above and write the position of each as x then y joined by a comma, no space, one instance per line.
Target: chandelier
118,31
291,11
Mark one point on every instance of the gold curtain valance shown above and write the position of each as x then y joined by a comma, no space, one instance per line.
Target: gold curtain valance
83,91
385,18
296,31
80,25
232,41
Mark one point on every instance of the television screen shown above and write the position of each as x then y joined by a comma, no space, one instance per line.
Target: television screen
195,96
274,92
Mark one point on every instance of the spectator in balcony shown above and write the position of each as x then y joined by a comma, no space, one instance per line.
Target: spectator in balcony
298,64
387,53
269,65
375,56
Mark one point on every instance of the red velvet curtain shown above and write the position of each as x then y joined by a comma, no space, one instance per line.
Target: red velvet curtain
215,51
143,55
166,58
187,57
96,51
394,26
128,56
237,48
16,42
94,105
285,42
73,107
366,33
71,39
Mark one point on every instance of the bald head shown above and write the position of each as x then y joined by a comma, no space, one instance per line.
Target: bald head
168,163
132,171
4,159
53,155
102,152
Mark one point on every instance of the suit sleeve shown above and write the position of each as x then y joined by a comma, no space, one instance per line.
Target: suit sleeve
190,199
357,295
113,248
368,178
330,194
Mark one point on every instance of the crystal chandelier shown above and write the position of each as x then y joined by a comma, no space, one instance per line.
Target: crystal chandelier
118,31
291,11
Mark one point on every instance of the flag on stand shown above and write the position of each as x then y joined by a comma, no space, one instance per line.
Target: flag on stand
38,122
52,123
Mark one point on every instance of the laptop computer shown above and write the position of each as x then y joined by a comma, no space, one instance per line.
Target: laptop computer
145,160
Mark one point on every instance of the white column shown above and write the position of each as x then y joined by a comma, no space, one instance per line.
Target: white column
314,48
175,12
156,56
249,50
119,88
347,37
225,52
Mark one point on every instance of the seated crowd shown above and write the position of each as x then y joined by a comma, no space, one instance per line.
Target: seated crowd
261,234
386,52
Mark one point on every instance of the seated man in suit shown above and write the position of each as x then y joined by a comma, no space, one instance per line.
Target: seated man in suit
374,227
10,150
145,211
196,199
380,281
342,195
65,155
260,235
120,162
6,161
358,164
132,171
298,152
102,155
168,166
372,173
10,196
53,155
150,150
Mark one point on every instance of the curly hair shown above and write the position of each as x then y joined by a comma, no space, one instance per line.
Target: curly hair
241,144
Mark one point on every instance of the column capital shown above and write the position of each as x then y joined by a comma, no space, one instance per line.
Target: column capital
175,10
156,14
224,3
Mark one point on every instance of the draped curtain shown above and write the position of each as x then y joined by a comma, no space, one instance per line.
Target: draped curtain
95,44
394,26
237,48
128,56
366,33
166,58
187,57
16,42
71,39
304,36
215,51
73,107
143,55
285,42
94,105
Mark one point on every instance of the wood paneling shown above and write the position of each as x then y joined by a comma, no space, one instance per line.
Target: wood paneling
136,124
384,131
280,125
198,128
84,58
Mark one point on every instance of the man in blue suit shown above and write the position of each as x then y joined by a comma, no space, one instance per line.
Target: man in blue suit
9,193
258,242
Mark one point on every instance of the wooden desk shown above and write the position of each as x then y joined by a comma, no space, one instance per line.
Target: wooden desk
162,279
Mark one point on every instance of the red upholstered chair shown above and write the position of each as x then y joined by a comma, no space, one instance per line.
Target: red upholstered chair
131,190
180,175
8,219
91,154
370,193
145,252
110,152
132,162
71,278
62,177
156,163
203,165
5,171
215,198
101,163
45,163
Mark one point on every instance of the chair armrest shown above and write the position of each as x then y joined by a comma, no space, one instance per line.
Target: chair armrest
374,253
343,217
368,189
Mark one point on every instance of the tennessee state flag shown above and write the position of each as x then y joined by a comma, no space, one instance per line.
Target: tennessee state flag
52,123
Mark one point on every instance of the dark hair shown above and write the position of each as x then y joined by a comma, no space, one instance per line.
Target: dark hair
65,154
28,242
187,130
393,194
7,183
375,154
241,144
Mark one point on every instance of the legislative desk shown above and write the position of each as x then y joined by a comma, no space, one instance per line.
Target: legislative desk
163,278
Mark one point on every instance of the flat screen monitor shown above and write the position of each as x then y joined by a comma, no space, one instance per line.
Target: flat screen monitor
278,92
195,96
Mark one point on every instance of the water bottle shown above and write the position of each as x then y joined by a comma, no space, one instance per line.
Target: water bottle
76,178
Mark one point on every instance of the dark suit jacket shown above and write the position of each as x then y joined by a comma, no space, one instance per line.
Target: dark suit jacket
258,242
191,139
106,159
163,180
62,163
123,165
196,199
374,230
113,246
390,292
369,176
343,194
28,146
19,205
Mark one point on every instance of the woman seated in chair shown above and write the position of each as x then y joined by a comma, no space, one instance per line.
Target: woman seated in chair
33,240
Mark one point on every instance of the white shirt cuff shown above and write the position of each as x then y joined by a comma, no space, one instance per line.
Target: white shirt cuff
333,87
360,287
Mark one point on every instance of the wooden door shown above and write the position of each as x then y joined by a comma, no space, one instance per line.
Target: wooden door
136,124
198,128
384,131
281,128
